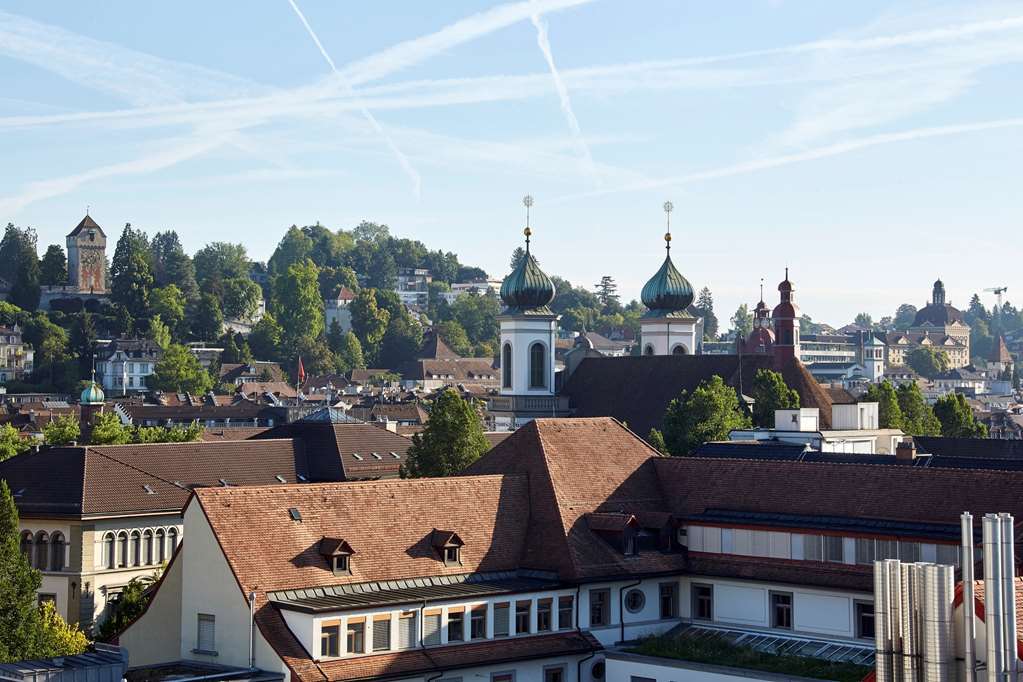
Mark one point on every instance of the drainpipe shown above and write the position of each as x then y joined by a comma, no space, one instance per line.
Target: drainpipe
252,629
621,604
422,627
579,667
578,588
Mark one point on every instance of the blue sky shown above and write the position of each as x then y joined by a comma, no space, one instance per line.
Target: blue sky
869,146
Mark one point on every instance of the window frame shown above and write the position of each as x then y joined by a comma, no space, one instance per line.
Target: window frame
569,623
605,607
502,623
673,611
519,604
538,366
478,616
382,624
355,636
326,636
787,609
212,620
635,600
548,669
506,365
456,625
859,604
698,599
545,612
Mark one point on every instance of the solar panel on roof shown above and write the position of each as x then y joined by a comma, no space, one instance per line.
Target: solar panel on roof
295,514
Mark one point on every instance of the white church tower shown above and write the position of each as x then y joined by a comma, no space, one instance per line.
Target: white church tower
667,327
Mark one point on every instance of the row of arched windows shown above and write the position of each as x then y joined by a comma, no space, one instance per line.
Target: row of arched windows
139,548
44,551
538,374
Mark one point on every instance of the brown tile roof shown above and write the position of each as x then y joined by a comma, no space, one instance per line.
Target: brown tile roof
331,449
112,479
477,370
365,376
411,412
839,396
818,574
229,371
575,467
637,390
434,348
999,351
496,437
254,389
222,433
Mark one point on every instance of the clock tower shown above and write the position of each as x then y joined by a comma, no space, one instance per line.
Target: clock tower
86,257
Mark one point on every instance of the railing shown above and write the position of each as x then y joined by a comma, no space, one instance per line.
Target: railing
528,403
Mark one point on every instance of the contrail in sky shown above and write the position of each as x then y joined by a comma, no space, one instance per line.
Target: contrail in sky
402,159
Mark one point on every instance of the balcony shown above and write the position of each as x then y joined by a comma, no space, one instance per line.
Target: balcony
539,405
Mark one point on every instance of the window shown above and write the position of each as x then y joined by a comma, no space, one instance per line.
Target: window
57,552
26,545
456,625
537,366
635,600
678,350
813,548
341,565
357,637
122,549
502,677
649,350
501,612
42,550
172,538
600,607
452,556
834,549
703,602
44,598
161,548
865,551
565,607
543,615
637,678
909,551
864,619
382,634
781,610
478,623
108,550
506,366
669,600
948,554
147,547
554,674
407,635
887,549
330,639
206,640
523,611
136,548
431,628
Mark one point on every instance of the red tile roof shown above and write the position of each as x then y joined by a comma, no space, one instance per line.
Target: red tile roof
332,449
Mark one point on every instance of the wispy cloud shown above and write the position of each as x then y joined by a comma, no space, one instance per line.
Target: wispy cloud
403,161
543,40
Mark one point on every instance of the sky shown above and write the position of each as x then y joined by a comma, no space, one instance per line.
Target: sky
871,147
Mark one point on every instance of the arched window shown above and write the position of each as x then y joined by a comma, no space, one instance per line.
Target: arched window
109,549
122,549
136,548
678,350
147,547
161,549
172,538
26,545
537,366
57,552
506,366
42,550
649,350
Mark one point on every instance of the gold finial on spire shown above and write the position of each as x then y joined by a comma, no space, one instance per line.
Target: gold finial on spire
668,208
527,201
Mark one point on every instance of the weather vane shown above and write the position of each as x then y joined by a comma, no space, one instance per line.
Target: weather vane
668,207
527,201
761,289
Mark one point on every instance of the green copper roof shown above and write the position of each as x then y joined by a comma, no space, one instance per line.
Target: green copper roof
92,395
668,293
527,290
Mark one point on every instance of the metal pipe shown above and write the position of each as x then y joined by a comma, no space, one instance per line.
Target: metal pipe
252,629
621,604
1008,598
992,592
969,618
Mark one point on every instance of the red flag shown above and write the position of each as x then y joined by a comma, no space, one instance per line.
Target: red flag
301,371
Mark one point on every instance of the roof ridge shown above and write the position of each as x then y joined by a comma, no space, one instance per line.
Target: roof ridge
350,485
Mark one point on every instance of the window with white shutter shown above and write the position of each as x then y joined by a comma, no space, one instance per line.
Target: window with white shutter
407,631
431,629
207,633
382,635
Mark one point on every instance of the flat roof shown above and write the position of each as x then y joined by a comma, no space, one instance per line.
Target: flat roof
917,529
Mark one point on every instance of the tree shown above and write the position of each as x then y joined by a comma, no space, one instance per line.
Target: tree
889,414
607,291
373,232
917,416
241,298
236,348
171,265
928,362
57,637
905,316
478,316
705,309
295,247
296,302
53,266
63,430
179,371
169,303
956,417
383,270
455,337
349,354
976,311
452,439
770,393
207,319
742,322
265,339
709,414
656,441
107,429
158,332
403,339
128,607
11,443
864,320
82,340
516,258
52,350
132,284
25,288
19,266
369,322
219,261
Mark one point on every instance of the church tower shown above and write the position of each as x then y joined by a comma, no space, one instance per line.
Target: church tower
667,328
786,322
761,337
86,257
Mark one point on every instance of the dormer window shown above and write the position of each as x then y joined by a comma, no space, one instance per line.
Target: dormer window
448,545
338,554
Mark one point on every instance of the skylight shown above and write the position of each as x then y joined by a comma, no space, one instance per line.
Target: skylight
395,455
357,456
280,478
376,456
149,489
295,514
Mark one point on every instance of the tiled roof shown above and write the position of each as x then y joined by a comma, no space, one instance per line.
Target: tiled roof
86,224
575,467
222,433
340,452
637,390
984,448
819,574
116,479
229,372
412,412
241,411
452,369
999,351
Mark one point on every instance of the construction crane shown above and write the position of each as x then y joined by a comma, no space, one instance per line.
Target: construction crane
998,291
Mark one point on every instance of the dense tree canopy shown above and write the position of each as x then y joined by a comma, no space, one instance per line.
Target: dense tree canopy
452,439
179,371
889,414
709,414
770,393
957,419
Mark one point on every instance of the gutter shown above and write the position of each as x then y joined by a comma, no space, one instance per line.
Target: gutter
621,605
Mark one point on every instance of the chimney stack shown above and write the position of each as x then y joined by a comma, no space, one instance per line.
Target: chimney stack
905,450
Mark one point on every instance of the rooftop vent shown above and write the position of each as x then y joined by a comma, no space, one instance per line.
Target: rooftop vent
357,456
395,455
149,489
302,478
376,456
280,478
223,482
295,514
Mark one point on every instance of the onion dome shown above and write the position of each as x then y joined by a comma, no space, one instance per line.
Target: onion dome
92,395
668,293
527,290
786,309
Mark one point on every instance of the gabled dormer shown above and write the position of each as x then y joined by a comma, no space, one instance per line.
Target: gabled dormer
338,554
448,546
617,529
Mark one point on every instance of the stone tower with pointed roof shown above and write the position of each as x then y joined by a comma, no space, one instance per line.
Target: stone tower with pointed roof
86,258
667,328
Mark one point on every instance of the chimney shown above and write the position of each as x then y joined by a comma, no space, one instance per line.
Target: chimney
905,450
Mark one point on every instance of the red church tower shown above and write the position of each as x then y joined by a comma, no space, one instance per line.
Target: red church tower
786,323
